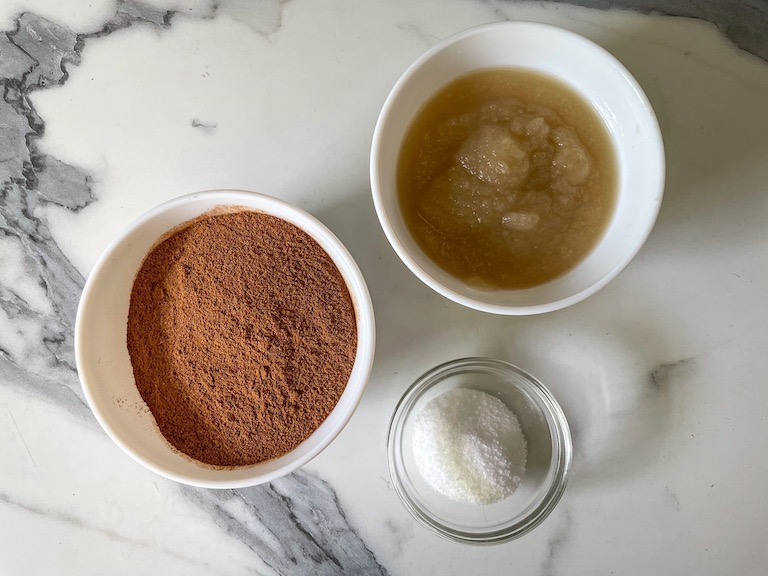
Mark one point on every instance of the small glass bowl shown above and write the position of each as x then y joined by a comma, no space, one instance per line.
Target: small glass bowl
549,453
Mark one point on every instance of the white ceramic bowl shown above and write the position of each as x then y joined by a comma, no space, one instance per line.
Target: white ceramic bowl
105,368
602,81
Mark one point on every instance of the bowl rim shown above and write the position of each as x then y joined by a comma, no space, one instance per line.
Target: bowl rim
562,444
353,277
428,279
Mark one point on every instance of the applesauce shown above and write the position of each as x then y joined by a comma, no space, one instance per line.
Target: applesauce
507,178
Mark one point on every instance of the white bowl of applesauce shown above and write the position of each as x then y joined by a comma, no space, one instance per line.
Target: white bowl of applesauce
517,168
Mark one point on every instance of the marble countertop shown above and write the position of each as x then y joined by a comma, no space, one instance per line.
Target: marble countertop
111,107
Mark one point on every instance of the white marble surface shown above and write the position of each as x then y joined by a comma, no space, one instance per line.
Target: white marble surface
661,374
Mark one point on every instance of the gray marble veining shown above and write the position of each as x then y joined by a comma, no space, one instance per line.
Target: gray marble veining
744,22
556,543
295,525
34,56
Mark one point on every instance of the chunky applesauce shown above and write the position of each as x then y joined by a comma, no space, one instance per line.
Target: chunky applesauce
507,178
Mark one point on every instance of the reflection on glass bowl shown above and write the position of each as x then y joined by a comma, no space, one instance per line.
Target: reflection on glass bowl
549,453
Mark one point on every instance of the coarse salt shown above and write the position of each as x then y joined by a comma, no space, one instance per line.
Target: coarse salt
469,447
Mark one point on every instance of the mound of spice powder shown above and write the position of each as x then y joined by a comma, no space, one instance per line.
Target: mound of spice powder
242,336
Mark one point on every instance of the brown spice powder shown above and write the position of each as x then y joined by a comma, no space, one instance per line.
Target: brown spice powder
242,336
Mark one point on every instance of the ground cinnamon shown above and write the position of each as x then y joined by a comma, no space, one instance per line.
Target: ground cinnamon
242,336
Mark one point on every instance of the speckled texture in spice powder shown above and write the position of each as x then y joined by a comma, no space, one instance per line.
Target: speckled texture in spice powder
242,337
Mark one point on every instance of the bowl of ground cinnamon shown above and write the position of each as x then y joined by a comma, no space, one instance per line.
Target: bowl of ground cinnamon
224,339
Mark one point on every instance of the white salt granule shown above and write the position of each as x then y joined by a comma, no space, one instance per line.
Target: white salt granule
469,447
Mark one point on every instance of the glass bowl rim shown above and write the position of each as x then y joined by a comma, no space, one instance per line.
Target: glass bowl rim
561,445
